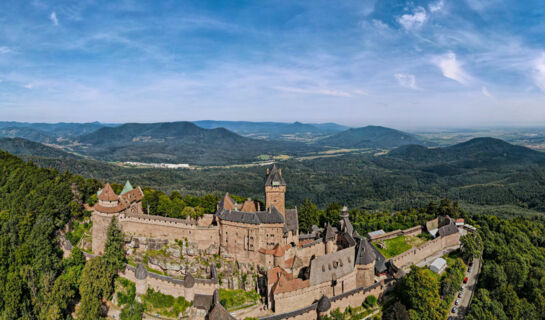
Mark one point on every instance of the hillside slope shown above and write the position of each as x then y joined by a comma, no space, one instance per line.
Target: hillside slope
179,142
23,147
370,137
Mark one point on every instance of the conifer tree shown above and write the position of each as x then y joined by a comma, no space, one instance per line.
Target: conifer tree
114,255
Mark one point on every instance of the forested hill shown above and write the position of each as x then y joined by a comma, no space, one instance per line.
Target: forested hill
275,130
370,137
179,142
477,149
23,147
34,204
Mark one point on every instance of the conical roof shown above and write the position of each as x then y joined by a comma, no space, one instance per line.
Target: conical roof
141,272
274,177
108,194
128,187
324,304
189,281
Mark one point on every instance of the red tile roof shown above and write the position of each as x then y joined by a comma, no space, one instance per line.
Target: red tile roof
108,194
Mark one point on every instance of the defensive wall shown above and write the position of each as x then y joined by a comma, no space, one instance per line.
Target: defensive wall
287,301
201,233
414,231
425,250
353,297
169,285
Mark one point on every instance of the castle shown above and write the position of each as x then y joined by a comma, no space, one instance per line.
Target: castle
329,267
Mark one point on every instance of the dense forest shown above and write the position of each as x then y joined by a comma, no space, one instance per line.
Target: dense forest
502,179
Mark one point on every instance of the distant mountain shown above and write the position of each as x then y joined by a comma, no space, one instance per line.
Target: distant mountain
48,132
27,133
370,137
179,142
477,149
23,147
275,130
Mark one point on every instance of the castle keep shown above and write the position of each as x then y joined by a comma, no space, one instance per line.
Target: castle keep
327,268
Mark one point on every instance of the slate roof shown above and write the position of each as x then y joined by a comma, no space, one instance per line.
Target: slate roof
274,178
366,254
202,301
323,304
107,194
141,272
332,266
218,312
189,281
272,216
448,229
380,262
330,232
292,221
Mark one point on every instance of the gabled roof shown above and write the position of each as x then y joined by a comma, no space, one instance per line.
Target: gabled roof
107,194
249,206
227,202
448,229
218,312
274,178
272,216
332,266
365,254
292,223
330,233
128,187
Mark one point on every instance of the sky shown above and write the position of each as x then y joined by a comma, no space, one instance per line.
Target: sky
406,64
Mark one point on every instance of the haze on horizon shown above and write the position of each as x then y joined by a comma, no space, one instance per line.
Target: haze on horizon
439,63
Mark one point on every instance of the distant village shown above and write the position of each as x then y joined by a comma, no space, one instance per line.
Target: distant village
247,246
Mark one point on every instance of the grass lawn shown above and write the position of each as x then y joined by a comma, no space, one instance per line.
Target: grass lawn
234,298
394,247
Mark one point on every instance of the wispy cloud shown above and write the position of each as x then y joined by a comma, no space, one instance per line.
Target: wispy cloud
415,20
315,91
451,68
53,18
539,72
28,85
436,6
485,92
406,80
4,50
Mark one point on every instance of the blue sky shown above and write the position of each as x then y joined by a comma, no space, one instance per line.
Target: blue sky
439,63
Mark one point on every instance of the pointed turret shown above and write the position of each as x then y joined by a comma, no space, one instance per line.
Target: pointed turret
128,187
107,194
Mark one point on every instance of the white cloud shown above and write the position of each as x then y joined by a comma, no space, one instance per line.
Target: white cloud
406,80
415,20
315,91
53,18
539,72
28,85
361,92
451,68
437,6
485,92
4,50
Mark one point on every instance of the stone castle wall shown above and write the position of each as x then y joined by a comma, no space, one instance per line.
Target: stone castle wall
353,297
414,231
169,228
292,300
203,234
168,285
425,250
